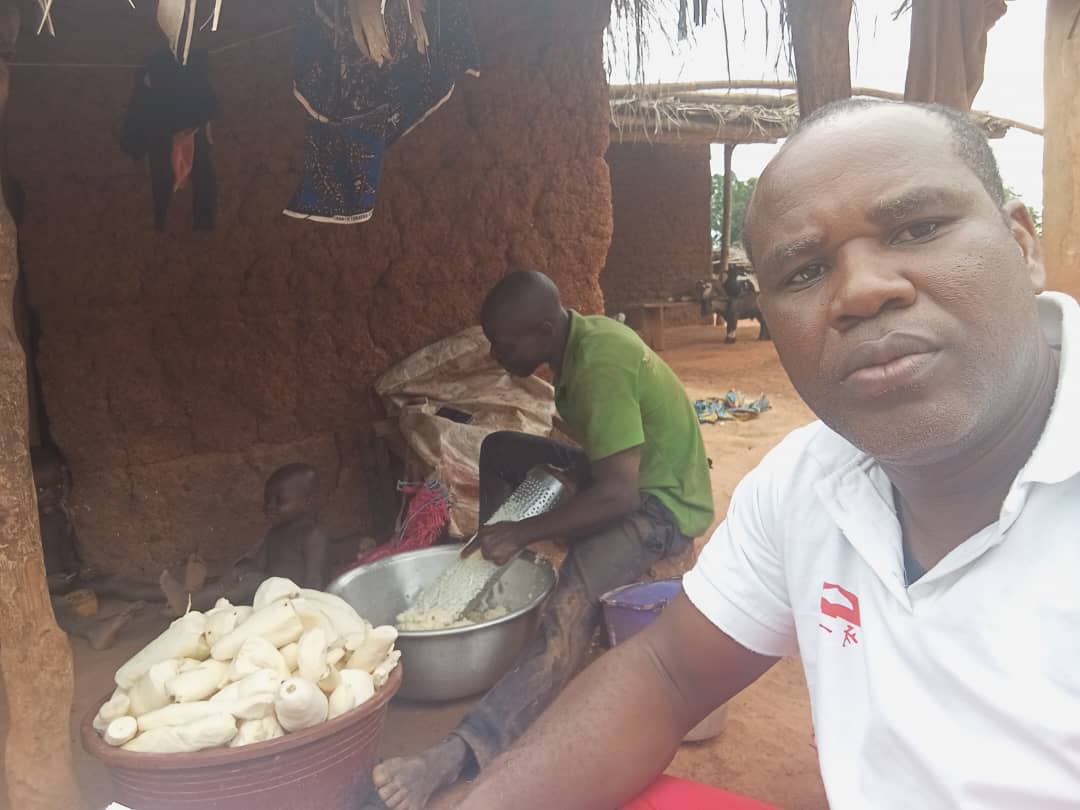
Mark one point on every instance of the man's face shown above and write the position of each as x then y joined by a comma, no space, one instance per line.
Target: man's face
518,347
899,296
285,500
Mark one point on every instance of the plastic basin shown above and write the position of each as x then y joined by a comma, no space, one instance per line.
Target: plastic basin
326,767
632,607
629,609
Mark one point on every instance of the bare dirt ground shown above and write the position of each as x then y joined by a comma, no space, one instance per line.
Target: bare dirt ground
767,750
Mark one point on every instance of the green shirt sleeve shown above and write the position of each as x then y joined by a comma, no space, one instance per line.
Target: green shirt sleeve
608,411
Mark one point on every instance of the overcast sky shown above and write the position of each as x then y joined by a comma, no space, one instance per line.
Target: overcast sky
879,46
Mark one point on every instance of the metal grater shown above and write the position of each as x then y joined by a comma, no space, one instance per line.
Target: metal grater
540,492
467,581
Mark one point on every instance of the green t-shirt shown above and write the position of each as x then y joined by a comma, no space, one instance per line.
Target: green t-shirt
615,393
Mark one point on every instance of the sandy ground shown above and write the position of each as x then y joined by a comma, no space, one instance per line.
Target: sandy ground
767,750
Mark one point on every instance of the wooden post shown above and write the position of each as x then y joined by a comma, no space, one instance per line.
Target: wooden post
652,326
725,217
819,37
35,659
1061,146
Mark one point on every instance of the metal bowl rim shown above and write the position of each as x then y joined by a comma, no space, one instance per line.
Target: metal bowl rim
540,562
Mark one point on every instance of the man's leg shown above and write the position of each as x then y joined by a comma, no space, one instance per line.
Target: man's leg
617,555
731,317
614,556
506,458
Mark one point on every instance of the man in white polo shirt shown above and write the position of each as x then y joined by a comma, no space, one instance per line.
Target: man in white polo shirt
920,546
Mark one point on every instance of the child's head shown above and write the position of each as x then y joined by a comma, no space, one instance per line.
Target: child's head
50,476
289,493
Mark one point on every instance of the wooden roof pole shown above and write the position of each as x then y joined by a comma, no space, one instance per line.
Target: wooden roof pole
1061,148
35,658
698,91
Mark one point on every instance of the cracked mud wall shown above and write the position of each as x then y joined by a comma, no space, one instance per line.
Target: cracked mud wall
662,242
180,368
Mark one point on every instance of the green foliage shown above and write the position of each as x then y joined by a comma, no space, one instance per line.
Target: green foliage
740,198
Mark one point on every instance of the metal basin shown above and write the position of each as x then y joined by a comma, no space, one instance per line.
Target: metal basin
462,661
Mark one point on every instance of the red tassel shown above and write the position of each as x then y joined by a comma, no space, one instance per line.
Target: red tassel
424,521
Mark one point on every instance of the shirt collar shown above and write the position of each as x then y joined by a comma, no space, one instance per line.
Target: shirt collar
1055,458
568,356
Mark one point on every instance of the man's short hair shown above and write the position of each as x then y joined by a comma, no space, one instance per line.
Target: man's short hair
969,142
527,293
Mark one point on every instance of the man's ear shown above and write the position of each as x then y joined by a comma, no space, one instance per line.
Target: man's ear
1022,227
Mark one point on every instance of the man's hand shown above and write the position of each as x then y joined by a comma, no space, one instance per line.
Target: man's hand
499,542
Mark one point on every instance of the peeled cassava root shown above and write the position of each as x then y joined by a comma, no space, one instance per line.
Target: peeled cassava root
239,675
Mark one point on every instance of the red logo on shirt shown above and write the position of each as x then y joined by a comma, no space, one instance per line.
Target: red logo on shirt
846,609
838,602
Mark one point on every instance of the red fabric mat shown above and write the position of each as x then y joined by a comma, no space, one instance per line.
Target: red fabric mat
669,793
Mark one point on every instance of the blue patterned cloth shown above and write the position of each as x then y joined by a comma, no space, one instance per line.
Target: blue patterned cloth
342,164
359,108
732,406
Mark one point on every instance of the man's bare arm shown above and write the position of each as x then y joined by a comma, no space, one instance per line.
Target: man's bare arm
617,726
612,493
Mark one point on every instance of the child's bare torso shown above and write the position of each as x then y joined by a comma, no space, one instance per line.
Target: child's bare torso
285,549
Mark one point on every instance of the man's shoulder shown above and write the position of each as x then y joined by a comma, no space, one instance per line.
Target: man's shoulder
806,455
599,333
600,343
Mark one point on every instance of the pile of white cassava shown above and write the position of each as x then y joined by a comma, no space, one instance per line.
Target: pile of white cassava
237,675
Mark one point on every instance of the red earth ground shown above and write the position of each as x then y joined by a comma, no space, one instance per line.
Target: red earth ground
767,750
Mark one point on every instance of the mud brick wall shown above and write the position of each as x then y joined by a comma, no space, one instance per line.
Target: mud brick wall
180,368
662,242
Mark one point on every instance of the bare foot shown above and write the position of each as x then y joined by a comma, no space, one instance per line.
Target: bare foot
104,633
194,573
406,783
176,595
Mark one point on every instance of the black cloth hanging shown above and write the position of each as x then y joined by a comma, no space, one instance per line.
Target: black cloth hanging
167,99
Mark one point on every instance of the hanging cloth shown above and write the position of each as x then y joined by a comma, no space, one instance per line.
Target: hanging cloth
176,19
360,107
369,29
167,121
948,50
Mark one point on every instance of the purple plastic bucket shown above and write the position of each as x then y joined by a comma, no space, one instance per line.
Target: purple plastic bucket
630,608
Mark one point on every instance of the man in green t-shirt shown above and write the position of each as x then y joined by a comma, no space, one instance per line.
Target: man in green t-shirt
643,492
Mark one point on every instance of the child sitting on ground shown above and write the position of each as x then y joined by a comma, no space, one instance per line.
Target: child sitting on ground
63,566
294,547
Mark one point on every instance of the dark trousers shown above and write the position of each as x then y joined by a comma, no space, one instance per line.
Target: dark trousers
613,555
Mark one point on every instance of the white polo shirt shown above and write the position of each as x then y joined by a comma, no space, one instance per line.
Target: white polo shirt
960,691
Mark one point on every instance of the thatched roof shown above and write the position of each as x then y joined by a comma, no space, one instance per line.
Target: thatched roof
730,112
688,121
